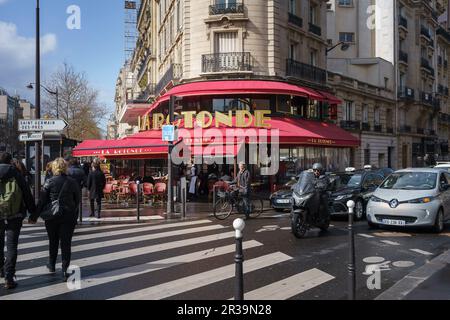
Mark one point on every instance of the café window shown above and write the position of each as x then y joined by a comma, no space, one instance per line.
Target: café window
313,110
225,105
261,104
284,104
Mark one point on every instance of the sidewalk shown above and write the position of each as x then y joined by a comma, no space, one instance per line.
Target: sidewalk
429,282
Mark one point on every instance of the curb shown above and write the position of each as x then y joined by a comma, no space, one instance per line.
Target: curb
404,287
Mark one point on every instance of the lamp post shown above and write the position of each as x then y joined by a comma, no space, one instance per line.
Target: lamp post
344,47
37,175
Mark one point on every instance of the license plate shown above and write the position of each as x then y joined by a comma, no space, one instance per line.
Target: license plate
284,201
394,222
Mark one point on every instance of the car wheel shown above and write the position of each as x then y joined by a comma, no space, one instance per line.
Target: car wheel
359,210
439,223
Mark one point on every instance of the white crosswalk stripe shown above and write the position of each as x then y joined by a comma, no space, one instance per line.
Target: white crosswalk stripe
175,287
35,244
171,245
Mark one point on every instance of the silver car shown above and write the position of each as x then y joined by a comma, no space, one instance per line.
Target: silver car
412,198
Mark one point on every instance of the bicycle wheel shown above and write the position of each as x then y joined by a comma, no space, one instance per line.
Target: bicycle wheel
223,209
257,207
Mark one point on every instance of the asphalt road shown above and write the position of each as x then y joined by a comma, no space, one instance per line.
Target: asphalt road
194,260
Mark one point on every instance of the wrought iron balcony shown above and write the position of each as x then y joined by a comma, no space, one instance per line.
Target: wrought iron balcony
351,125
403,56
444,33
403,22
365,126
226,8
406,93
405,129
147,94
378,128
426,64
175,72
296,20
425,32
315,29
305,71
227,62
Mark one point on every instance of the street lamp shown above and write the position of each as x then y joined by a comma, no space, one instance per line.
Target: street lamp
344,47
56,93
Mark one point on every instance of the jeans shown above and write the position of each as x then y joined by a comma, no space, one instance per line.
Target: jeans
245,195
60,231
10,228
99,206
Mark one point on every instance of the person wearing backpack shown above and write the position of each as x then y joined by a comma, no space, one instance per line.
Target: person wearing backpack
58,207
15,200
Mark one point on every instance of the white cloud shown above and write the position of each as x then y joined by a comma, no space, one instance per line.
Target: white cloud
18,52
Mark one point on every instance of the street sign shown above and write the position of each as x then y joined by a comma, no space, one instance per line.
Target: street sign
169,133
42,125
27,137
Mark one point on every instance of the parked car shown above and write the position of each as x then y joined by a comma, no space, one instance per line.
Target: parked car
443,166
281,199
412,198
356,185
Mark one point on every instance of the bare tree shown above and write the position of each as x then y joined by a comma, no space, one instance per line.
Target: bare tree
78,103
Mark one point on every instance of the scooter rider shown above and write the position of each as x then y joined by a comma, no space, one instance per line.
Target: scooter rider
322,183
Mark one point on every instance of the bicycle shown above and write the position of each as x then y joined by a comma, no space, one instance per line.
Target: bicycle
231,201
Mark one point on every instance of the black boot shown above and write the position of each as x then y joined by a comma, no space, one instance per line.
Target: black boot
10,284
51,268
66,276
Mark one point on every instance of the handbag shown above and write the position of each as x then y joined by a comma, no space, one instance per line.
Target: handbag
53,209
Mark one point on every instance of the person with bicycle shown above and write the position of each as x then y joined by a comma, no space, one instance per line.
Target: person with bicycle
242,184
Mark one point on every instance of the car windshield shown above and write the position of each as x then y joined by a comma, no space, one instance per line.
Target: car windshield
411,181
351,181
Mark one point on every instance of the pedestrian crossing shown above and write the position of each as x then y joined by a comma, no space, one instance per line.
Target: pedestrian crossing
163,261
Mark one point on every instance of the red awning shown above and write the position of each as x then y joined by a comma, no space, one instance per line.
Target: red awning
330,98
215,88
125,148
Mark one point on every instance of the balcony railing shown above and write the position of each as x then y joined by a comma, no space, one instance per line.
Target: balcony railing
365,126
426,64
403,56
403,22
296,20
406,93
226,8
405,129
444,33
378,128
147,94
175,72
315,29
305,72
425,32
227,62
351,125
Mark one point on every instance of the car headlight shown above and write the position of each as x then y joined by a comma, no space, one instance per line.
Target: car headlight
422,200
345,197
376,199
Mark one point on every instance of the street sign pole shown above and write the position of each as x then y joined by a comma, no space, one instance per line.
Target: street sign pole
37,176
43,156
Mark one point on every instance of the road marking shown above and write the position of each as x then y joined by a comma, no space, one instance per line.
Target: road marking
403,264
373,260
125,273
196,281
35,244
85,228
426,253
392,243
108,257
392,234
116,242
365,235
290,287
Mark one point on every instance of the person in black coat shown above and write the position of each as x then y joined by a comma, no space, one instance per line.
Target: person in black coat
60,229
12,225
78,175
95,184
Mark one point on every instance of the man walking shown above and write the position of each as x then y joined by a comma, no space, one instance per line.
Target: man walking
244,187
15,200
79,176
95,184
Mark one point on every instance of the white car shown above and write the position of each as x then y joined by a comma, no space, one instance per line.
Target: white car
443,166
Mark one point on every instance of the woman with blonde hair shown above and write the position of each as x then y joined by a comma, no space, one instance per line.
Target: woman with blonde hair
60,198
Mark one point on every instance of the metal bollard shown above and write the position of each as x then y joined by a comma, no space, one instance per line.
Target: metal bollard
239,226
138,184
351,263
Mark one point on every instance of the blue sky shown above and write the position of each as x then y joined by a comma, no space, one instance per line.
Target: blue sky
96,49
